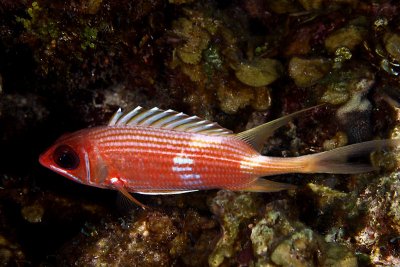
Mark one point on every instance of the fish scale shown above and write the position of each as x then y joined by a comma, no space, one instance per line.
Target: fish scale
141,146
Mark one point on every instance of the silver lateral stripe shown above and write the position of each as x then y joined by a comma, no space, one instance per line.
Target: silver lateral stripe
166,192
167,119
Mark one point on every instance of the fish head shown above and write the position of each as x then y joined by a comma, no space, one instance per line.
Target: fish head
69,157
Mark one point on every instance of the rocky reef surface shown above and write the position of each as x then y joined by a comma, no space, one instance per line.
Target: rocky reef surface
67,65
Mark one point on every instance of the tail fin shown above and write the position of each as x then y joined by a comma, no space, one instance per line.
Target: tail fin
337,160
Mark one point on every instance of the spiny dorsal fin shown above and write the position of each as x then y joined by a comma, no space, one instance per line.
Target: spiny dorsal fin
257,136
167,119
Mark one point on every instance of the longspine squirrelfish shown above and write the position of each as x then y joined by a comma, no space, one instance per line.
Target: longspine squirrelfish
165,152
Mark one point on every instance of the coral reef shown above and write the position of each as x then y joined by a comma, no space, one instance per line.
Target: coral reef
150,239
233,211
276,236
67,65
306,72
369,216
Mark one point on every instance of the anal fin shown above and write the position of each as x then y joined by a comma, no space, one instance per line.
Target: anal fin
263,185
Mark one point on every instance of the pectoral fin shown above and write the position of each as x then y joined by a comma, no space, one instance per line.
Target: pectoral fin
263,185
119,185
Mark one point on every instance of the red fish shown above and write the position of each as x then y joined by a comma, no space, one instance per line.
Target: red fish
165,152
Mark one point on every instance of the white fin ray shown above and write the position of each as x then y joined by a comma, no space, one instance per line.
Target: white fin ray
181,122
123,120
143,116
204,128
167,119
117,115
155,118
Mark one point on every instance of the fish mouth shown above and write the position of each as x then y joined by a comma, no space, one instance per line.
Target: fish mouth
64,173
42,160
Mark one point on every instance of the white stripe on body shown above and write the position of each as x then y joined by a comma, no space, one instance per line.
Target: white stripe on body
183,166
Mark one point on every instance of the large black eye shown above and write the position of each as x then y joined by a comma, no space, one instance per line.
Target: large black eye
65,157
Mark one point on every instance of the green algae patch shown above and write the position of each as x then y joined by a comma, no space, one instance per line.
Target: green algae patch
392,45
335,95
259,72
89,37
280,239
262,237
290,252
91,6
347,87
33,213
233,209
307,72
196,40
326,195
340,139
349,37
235,96
339,256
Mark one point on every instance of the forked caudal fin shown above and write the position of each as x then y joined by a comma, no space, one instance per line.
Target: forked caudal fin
333,161
337,160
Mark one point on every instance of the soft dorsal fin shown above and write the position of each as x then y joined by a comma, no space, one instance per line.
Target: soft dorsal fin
257,136
167,119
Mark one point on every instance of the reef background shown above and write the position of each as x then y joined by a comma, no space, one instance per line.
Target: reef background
67,65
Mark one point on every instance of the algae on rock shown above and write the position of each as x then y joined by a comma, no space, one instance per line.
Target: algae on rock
259,72
307,72
232,209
